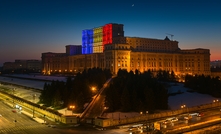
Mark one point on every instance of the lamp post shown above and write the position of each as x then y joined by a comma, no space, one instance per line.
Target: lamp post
183,106
147,121
94,90
34,95
72,107
13,90
44,118
215,100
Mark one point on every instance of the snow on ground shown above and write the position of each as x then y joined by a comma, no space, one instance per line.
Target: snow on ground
190,99
31,83
39,76
174,102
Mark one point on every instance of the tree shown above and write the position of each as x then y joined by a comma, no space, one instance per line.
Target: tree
125,100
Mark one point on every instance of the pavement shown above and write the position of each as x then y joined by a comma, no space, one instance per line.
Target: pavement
37,119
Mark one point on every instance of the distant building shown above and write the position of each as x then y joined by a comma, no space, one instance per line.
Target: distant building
115,51
215,64
215,68
1,69
22,64
54,62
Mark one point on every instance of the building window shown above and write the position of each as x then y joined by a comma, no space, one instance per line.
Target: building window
118,64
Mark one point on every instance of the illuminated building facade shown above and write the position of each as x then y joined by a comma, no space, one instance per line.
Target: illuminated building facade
157,55
54,62
113,51
94,40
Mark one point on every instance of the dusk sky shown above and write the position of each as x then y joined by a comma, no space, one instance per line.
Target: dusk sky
31,27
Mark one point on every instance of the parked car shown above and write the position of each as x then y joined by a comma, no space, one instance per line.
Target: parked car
188,117
167,121
174,119
201,114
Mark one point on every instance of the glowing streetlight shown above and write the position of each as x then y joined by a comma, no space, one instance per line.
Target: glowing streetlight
93,88
215,100
72,107
183,106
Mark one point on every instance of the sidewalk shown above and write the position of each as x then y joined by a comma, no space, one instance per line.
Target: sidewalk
39,120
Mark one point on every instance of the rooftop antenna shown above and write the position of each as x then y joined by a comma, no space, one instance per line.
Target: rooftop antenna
171,36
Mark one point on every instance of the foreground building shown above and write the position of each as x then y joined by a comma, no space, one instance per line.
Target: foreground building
107,47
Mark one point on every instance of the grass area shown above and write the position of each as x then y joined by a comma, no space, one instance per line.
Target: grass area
6,89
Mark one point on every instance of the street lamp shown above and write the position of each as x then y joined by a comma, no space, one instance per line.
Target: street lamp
183,106
215,100
13,90
93,88
147,122
34,95
72,107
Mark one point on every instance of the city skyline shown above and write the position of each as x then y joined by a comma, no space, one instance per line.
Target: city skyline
29,28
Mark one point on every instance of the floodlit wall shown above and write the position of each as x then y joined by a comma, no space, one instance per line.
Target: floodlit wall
87,41
145,117
94,40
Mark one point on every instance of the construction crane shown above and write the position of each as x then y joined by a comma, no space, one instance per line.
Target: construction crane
171,36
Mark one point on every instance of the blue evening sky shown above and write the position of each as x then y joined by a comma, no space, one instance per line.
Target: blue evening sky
31,27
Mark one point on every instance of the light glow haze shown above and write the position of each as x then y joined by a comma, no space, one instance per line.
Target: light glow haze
31,27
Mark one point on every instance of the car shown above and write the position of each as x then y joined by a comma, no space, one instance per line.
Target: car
14,111
167,121
53,126
188,117
170,120
174,119
132,128
194,114
200,114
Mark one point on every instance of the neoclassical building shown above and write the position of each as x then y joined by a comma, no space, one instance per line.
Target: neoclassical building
117,51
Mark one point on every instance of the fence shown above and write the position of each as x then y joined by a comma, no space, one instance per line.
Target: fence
43,112
146,117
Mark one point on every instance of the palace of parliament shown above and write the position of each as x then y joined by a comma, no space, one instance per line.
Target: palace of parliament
106,47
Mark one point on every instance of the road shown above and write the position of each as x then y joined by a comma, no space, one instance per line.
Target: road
26,125
210,114
17,123
96,107
7,123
